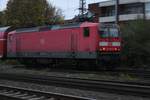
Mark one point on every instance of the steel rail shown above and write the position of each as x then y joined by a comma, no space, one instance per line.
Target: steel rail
127,88
16,93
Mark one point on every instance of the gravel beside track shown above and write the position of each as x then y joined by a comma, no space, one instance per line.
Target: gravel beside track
119,75
104,75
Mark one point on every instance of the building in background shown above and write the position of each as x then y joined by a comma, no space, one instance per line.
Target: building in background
128,10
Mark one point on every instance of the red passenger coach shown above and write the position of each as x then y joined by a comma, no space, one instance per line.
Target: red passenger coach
74,41
3,41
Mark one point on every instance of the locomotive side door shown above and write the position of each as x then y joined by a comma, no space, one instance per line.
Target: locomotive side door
18,46
74,45
11,46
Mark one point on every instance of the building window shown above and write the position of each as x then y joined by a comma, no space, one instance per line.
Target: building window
147,8
86,32
108,11
132,9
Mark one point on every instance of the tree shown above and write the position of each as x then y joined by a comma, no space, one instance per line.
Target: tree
30,12
136,40
2,18
1,15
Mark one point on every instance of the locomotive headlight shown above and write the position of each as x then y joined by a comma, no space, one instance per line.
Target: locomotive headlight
103,43
116,44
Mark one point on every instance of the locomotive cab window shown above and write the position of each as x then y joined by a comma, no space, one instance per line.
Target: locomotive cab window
86,32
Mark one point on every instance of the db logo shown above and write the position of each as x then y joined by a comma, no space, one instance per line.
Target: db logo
42,41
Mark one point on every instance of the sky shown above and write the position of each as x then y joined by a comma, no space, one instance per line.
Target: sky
69,7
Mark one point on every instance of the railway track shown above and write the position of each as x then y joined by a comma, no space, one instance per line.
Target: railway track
143,74
15,93
125,88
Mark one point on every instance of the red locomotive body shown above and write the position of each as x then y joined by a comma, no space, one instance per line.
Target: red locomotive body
74,41
66,41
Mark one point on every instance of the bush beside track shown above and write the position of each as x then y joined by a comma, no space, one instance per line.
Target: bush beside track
136,43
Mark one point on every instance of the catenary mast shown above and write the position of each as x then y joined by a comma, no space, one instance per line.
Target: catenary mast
82,7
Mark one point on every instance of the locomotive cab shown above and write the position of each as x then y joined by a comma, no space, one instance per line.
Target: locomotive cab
109,40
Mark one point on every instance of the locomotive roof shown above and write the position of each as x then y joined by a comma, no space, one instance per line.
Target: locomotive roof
54,27
3,29
49,27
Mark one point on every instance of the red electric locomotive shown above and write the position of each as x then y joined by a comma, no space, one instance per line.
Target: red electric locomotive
73,41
